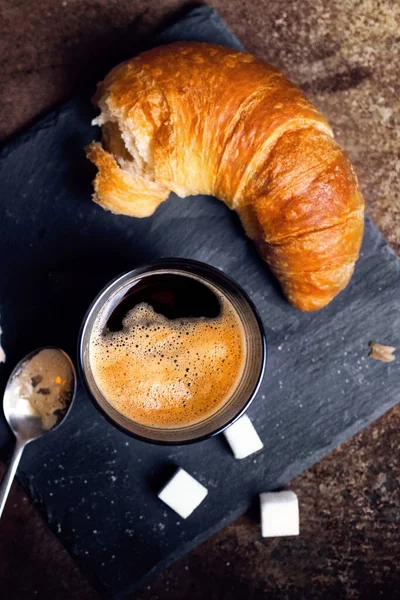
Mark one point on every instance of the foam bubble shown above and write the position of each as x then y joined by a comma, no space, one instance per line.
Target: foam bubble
168,373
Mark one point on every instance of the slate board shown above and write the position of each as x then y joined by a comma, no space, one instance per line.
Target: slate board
97,486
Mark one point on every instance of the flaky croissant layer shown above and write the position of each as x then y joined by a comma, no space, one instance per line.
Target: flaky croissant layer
197,118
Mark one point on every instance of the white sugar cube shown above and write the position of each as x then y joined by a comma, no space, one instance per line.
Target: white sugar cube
183,493
243,438
279,514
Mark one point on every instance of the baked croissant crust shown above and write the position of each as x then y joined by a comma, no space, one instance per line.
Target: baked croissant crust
196,118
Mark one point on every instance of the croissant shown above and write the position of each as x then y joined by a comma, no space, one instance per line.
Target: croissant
197,118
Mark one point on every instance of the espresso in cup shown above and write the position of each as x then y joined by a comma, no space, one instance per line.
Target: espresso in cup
171,353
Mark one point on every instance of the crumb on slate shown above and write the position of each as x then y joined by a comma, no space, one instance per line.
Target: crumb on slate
382,352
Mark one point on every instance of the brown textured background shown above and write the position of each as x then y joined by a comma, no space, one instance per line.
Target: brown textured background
345,54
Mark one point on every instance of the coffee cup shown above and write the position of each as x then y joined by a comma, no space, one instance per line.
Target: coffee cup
172,352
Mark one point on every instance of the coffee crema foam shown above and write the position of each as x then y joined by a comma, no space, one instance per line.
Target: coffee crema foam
169,372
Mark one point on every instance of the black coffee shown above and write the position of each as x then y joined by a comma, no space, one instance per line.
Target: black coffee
173,296
171,353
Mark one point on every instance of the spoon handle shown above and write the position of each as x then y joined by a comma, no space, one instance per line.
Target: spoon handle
9,476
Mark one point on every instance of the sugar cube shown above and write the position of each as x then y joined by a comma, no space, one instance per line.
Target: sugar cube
279,514
243,438
183,493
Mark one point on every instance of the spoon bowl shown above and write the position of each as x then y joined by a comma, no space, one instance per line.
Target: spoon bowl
37,398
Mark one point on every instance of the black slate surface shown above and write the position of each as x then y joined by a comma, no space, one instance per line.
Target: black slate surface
97,486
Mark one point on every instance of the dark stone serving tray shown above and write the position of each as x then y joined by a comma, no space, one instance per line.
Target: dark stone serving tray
96,486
